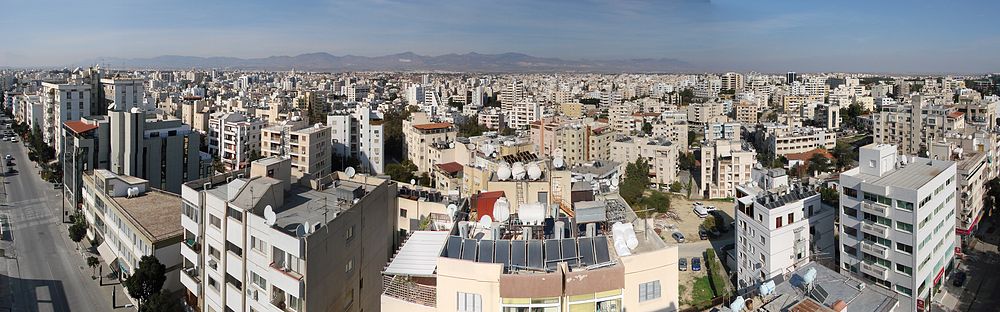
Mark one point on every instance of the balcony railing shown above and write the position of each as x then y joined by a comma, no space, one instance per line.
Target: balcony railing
409,291
193,244
875,270
287,271
878,209
873,228
875,249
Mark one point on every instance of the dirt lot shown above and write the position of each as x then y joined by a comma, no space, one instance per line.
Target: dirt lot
682,218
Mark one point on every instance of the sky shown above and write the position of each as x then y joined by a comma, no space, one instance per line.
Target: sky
767,36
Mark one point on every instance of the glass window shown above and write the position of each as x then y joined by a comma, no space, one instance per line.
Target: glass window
215,221
470,302
649,291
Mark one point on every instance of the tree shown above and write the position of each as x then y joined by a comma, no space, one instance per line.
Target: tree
402,172
849,115
845,155
829,196
469,127
425,180
647,128
78,230
147,280
819,163
218,166
254,155
676,186
657,200
93,262
708,223
686,161
692,137
779,162
161,302
636,181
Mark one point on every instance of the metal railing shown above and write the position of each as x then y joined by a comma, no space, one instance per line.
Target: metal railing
409,291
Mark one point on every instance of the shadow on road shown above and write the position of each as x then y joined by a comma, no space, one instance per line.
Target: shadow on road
33,295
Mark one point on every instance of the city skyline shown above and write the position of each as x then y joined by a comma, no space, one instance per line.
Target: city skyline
708,35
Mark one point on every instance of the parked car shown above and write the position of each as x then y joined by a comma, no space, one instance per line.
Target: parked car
683,264
695,264
958,279
8,157
702,234
678,236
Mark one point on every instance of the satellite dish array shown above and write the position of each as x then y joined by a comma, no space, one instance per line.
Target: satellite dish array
519,171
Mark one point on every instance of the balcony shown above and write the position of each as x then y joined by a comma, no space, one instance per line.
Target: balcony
875,249
874,208
875,270
191,279
873,228
191,250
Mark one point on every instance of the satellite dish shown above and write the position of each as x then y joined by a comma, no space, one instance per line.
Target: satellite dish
308,228
615,182
300,231
558,153
503,173
269,216
486,221
413,181
517,171
501,209
350,172
452,209
558,162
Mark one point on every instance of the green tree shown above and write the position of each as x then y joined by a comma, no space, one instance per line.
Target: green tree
657,201
647,128
402,172
392,129
686,161
469,127
253,155
78,230
845,154
708,223
162,301
93,262
636,181
676,186
819,163
779,162
147,280
829,196
218,166
425,180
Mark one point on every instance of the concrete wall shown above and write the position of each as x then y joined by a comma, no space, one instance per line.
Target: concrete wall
651,266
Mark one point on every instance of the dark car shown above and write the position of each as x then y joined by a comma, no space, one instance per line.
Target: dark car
683,264
958,279
703,234
695,264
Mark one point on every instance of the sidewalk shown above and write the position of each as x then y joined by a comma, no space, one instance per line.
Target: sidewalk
110,284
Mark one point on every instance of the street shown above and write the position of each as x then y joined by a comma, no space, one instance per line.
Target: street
980,290
43,269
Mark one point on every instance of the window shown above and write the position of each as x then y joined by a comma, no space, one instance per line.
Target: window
904,248
349,266
851,212
851,192
777,223
850,230
257,280
236,214
791,218
649,291
905,227
294,303
215,221
904,269
214,252
470,302
904,290
213,283
349,233
908,206
258,244
402,213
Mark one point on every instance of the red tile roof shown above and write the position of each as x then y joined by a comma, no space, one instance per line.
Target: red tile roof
452,167
79,126
433,126
805,156
956,114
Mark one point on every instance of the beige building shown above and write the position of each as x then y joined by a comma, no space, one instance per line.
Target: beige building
783,140
572,109
746,111
578,140
913,127
448,271
725,165
307,146
701,113
661,155
421,134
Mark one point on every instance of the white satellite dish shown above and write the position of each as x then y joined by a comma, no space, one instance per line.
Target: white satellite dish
350,172
518,171
269,216
558,162
615,182
413,181
558,153
486,221
501,209
300,230
452,209
308,229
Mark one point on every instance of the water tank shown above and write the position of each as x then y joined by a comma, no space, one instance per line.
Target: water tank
534,172
503,173
518,171
533,213
501,209
558,162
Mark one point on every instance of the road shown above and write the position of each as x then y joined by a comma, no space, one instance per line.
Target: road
980,290
44,269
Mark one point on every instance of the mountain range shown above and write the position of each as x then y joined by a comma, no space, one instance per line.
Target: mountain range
408,61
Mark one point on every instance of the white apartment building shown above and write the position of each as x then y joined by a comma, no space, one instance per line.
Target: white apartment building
255,241
914,126
512,93
898,220
132,220
123,94
701,113
782,140
779,227
722,131
523,113
725,164
420,134
62,102
232,137
358,135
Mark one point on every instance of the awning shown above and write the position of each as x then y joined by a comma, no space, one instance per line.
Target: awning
107,255
418,256
937,279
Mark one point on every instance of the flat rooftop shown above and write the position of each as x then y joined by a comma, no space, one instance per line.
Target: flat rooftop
154,212
911,176
828,288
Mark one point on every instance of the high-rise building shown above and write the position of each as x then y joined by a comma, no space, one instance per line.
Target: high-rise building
62,102
790,77
358,135
233,137
898,220
122,94
725,165
257,241
732,81
307,146
512,93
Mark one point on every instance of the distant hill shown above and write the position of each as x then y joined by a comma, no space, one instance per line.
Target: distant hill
408,61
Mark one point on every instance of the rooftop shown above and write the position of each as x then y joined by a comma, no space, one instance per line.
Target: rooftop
78,126
433,126
829,287
155,212
911,176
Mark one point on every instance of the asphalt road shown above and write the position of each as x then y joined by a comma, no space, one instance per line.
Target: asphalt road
44,271
980,290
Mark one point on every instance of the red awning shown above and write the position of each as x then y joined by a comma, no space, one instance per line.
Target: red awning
939,276
969,230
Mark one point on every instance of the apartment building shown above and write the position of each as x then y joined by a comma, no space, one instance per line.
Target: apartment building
722,131
828,292
133,220
828,116
725,164
897,218
779,139
912,127
62,102
531,271
579,141
121,94
358,135
490,117
701,113
420,134
256,241
523,113
232,137
746,112
780,226
307,146
512,92
732,81
659,153
974,171
197,114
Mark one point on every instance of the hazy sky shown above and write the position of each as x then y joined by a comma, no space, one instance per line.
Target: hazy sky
904,36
